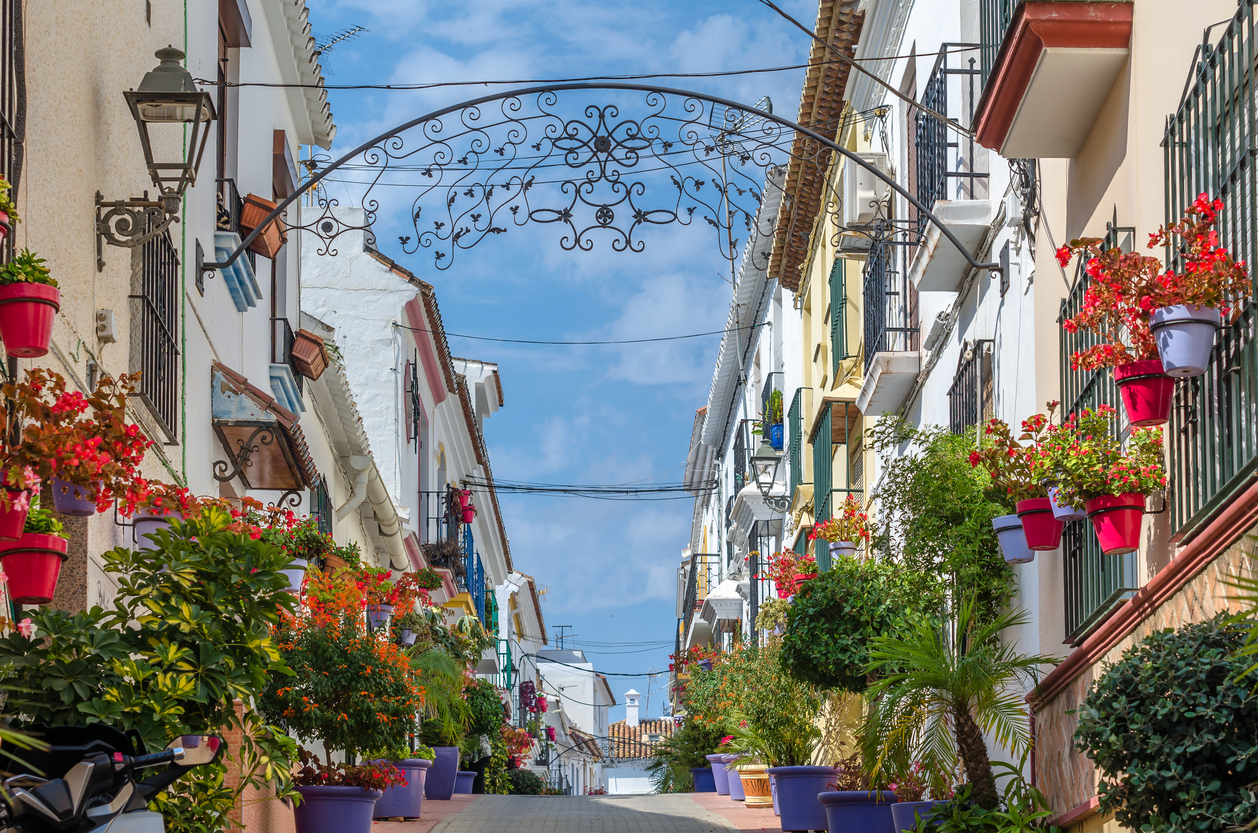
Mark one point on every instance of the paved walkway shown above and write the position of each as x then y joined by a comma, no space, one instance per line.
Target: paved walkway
584,814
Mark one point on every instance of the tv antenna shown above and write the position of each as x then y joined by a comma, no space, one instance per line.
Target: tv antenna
326,43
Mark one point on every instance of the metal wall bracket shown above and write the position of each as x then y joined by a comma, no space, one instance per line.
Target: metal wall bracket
130,223
231,468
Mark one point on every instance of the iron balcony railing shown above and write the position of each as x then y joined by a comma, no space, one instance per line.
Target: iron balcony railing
702,573
994,19
949,165
795,439
772,382
891,324
230,206
970,397
826,493
502,679
762,542
1209,147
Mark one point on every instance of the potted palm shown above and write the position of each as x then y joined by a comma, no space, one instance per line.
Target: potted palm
8,211
845,532
33,562
29,301
1111,482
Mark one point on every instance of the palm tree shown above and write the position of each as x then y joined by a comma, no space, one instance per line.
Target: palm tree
938,689
442,678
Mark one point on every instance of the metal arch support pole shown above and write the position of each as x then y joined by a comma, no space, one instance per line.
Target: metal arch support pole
530,91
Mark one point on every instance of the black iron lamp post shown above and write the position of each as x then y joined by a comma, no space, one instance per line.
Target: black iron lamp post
765,464
166,101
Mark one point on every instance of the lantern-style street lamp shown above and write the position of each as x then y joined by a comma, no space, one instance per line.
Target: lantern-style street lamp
765,464
170,112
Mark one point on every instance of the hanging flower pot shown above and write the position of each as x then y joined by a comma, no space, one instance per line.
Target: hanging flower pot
1117,520
269,241
6,225
378,616
295,573
550,734
465,498
1013,543
32,564
775,436
1146,391
845,548
469,514
309,355
27,311
1061,511
407,637
72,499
1039,525
1185,336
13,515
800,578
145,523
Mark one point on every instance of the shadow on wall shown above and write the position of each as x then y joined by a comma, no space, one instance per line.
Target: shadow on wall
1103,152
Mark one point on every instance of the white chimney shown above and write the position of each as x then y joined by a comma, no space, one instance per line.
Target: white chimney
631,707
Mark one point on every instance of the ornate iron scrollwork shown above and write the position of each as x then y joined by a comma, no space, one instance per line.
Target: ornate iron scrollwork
129,223
289,500
231,468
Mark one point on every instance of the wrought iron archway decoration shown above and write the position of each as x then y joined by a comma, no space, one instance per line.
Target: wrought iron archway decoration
538,155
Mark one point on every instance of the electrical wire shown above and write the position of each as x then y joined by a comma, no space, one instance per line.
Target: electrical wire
578,343
600,673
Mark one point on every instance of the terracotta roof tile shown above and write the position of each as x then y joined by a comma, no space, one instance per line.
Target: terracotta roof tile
633,742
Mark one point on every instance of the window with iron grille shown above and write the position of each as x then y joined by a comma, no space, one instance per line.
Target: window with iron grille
994,19
970,397
891,324
946,163
838,315
155,331
321,505
740,458
414,409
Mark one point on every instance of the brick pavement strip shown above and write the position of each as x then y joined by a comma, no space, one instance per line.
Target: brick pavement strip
583,814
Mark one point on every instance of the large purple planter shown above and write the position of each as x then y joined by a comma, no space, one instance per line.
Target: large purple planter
720,776
405,802
463,780
71,499
773,791
735,780
703,780
906,813
797,790
439,785
866,811
335,809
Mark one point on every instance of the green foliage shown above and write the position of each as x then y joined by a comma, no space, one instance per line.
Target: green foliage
171,657
41,521
484,707
685,750
941,690
833,617
26,267
496,780
772,716
935,517
525,782
1174,732
1023,809
445,711
772,614
774,413
6,202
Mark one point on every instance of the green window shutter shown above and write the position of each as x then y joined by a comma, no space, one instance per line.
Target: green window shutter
838,315
795,419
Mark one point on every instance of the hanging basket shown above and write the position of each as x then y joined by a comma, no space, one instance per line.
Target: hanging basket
27,311
469,514
13,520
72,499
1013,543
1061,511
1185,336
310,356
1117,520
1146,391
842,548
378,616
146,523
295,572
1042,530
32,564
465,498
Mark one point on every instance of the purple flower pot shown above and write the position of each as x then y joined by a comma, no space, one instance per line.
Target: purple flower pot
145,524
735,780
439,785
703,780
868,812
295,572
773,791
1185,336
335,809
720,776
378,616
405,802
463,781
797,790
1012,539
72,499
906,813
407,637
1062,512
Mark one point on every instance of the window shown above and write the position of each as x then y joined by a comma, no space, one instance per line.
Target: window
970,397
155,331
891,324
838,315
321,506
795,424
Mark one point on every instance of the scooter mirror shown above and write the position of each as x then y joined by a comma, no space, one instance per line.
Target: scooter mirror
198,750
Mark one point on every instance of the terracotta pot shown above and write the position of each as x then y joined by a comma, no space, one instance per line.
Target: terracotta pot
32,564
13,521
310,356
1042,529
332,563
1117,520
27,311
1146,391
272,238
755,778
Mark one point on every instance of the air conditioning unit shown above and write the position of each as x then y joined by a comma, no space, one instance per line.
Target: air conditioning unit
862,190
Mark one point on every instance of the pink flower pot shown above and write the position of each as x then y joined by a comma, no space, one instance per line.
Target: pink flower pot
27,311
465,498
1041,527
1117,520
32,564
12,519
469,515
1146,391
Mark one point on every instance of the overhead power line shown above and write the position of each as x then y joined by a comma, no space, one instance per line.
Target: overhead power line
582,343
600,673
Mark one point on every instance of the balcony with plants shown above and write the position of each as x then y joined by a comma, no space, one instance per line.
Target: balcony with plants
892,330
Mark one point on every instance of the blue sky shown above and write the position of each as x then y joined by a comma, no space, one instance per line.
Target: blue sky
575,414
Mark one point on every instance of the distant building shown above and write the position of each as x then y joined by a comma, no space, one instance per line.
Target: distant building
631,744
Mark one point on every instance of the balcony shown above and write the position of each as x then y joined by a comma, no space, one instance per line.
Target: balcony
286,385
892,333
835,431
701,575
950,172
1048,66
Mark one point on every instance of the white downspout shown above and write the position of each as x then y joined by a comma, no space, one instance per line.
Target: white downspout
361,465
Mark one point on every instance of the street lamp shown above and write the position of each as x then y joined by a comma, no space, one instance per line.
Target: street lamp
765,464
168,100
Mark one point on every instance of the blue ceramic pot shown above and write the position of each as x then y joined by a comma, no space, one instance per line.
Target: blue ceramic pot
703,780
335,809
378,616
906,813
405,802
439,785
71,499
775,436
773,791
720,777
463,781
866,811
797,790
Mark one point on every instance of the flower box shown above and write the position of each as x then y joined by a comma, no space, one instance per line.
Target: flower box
309,355
272,238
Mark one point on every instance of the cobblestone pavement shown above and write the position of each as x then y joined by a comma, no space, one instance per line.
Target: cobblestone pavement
586,814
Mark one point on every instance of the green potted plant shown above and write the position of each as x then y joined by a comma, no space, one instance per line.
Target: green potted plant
773,416
408,627
29,301
8,211
33,562
846,531
1013,486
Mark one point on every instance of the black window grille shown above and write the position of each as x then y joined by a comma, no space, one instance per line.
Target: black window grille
155,332
994,19
946,162
414,409
891,324
12,99
282,348
970,397
740,458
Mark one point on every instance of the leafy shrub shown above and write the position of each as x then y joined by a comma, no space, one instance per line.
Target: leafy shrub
1175,733
685,750
525,782
486,708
